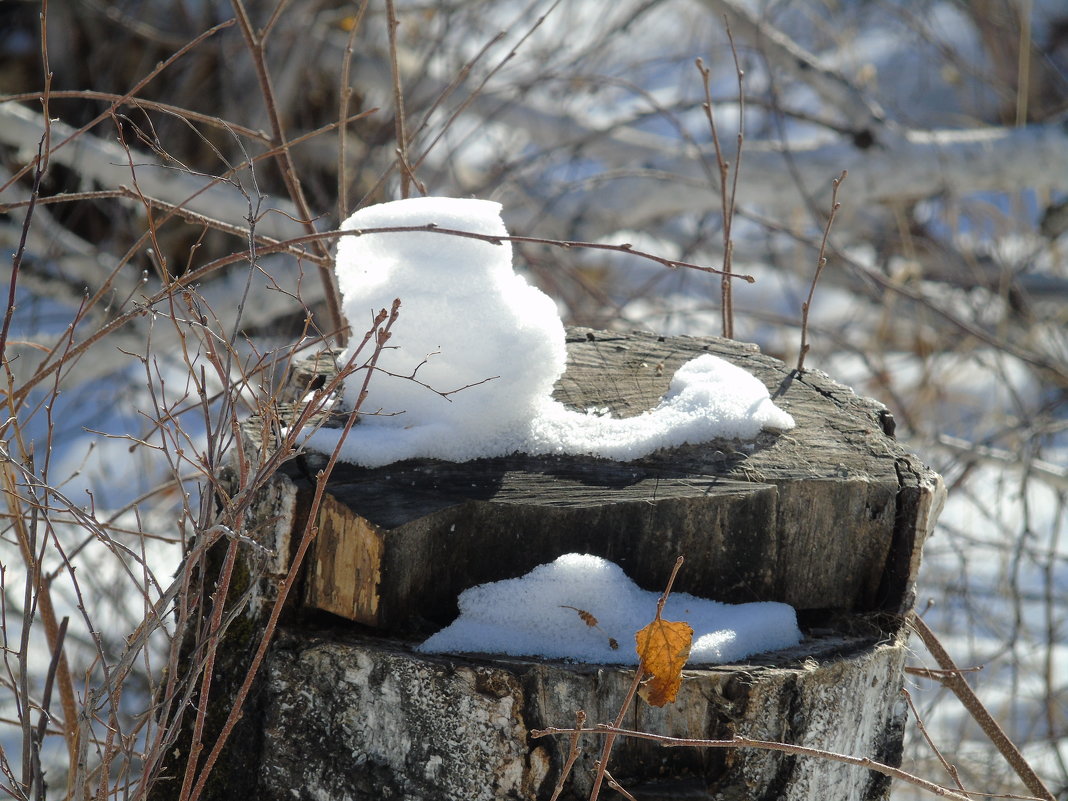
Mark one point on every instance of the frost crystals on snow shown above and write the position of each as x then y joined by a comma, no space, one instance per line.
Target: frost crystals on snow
468,319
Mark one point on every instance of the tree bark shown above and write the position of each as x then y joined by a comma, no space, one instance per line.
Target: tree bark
829,516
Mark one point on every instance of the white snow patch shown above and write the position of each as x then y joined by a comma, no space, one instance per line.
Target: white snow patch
535,615
487,348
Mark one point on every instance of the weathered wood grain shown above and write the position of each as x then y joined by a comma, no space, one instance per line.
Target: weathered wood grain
815,517
829,517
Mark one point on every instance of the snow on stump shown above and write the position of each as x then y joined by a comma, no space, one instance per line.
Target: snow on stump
828,517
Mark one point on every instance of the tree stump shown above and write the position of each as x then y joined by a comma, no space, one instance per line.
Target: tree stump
829,517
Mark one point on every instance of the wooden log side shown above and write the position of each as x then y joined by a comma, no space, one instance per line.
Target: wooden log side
824,517
344,577
347,716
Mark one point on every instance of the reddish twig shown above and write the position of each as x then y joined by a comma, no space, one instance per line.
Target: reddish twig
456,82
208,673
932,673
821,262
256,45
955,682
381,336
950,769
192,276
573,752
726,197
614,785
141,103
399,120
739,741
41,162
125,98
639,674
345,97
560,243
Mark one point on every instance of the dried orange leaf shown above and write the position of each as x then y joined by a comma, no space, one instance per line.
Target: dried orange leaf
663,647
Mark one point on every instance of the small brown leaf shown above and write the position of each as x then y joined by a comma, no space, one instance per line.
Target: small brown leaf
663,647
613,643
587,617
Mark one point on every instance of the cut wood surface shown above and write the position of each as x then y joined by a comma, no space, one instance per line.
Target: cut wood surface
827,516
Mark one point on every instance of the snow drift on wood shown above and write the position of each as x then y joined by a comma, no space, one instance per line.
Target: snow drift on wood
540,614
485,349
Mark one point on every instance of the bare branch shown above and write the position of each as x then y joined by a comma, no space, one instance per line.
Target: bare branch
821,262
785,55
955,682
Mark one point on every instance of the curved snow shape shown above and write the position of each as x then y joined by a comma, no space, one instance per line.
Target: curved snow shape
466,317
708,398
535,615
464,311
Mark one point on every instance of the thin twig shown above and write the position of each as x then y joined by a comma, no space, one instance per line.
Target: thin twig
1024,47
280,7
573,752
256,47
208,674
50,677
726,303
667,590
43,149
949,768
1051,368
192,276
609,740
59,670
141,103
931,673
739,741
345,97
639,674
821,262
497,240
381,336
399,120
125,98
453,85
613,784
955,682
727,197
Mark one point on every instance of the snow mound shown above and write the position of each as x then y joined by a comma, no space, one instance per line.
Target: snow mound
536,615
485,348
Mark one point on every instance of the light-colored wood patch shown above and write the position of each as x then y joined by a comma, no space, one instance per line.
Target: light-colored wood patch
346,564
